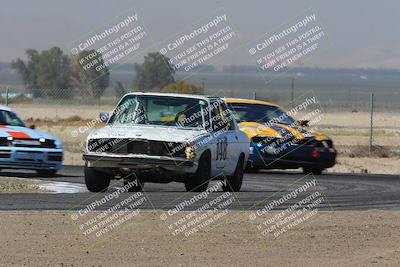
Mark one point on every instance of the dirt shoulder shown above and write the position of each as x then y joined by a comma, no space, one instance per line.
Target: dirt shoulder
367,165
20,185
368,238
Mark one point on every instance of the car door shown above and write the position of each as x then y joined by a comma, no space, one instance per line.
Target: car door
223,138
232,140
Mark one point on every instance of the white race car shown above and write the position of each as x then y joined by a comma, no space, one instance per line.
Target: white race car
155,137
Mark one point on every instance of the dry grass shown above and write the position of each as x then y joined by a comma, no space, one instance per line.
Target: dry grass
362,151
18,185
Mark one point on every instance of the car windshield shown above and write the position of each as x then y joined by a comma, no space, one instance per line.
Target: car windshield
161,110
259,113
10,118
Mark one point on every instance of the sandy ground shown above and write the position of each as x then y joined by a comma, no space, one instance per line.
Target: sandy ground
361,120
27,111
367,165
328,239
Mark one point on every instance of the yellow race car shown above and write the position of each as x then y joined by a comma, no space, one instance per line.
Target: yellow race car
277,141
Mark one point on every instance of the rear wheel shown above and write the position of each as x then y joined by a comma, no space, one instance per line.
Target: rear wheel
252,170
315,171
200,180
46,173
95,180
234,182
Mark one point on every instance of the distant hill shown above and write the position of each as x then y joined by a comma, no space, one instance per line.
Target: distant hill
305,70
250,69
5,65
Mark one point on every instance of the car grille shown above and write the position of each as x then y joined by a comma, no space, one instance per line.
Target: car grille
27,143
301,142
5,154
316,143
134,146
54,156
263,140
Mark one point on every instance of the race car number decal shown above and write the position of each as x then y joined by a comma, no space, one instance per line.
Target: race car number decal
222,148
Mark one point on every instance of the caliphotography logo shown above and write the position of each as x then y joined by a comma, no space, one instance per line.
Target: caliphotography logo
293,208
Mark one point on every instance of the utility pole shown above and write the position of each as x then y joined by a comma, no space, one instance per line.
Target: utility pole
292,93
7,96
254,95
371,108
203,83
349,99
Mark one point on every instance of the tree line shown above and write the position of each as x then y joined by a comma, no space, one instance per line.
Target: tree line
52,73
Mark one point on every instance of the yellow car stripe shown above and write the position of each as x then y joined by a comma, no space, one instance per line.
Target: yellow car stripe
252,129
294,132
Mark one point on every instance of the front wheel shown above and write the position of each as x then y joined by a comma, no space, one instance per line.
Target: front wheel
96,181
234,182
315,171
252,170
200,180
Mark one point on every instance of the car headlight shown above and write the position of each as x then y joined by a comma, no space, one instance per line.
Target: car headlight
189,153
251,150
58,144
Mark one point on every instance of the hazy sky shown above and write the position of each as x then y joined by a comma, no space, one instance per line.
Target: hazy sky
363,33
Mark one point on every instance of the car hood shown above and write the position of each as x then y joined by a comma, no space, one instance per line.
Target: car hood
18,132
252,129
149,132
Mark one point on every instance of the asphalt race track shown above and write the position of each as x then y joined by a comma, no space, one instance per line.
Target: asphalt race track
341,191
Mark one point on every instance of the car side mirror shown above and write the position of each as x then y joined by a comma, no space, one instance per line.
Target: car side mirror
104,116
303,123
33,127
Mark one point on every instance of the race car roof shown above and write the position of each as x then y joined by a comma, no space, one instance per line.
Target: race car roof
248,101
2,107
170,94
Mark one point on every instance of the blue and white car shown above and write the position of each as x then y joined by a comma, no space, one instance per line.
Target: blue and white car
22,147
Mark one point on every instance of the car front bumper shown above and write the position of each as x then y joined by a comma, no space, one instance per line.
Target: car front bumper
30,158
293,157
139,162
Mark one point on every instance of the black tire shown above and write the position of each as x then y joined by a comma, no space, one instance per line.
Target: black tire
133,187
252,170
314,170
46,173
200,180
234,182
96,181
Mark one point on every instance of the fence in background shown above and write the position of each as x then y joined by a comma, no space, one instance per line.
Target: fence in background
330,101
